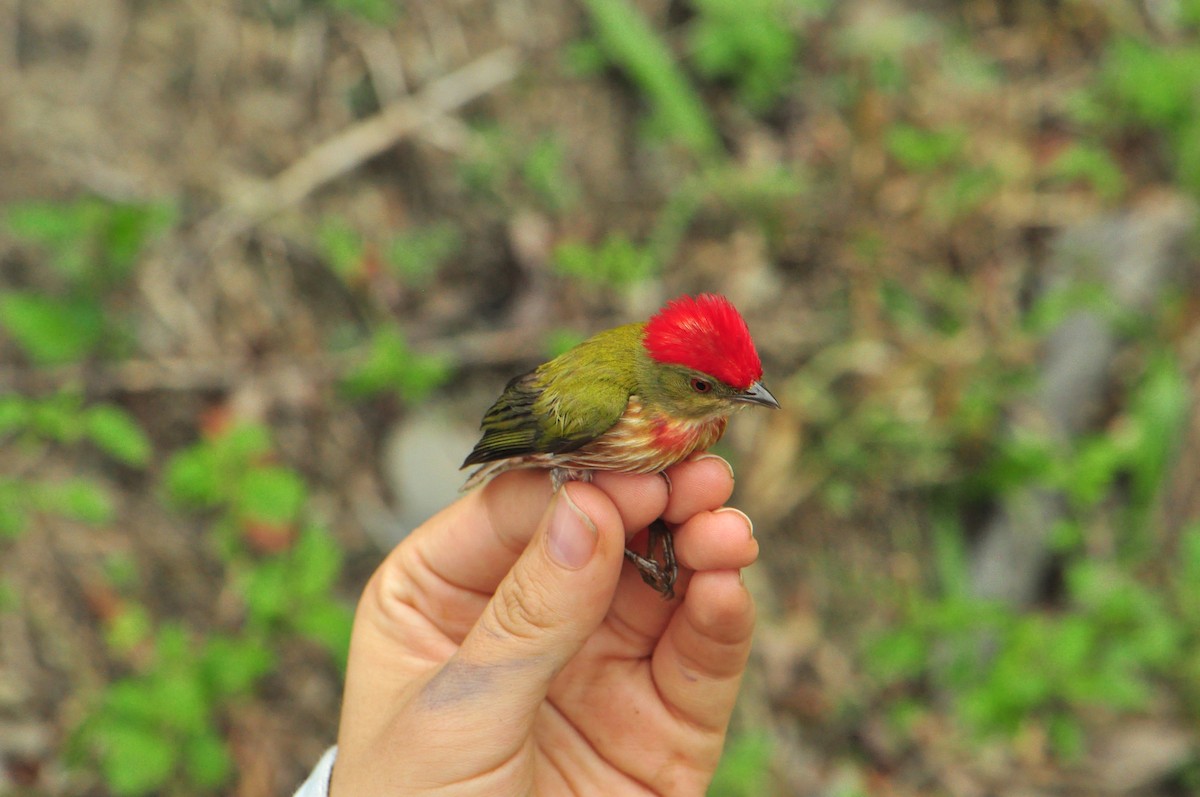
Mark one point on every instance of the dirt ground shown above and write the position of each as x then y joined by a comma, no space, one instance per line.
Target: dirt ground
259,123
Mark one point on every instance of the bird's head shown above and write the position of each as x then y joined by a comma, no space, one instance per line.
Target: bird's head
703,360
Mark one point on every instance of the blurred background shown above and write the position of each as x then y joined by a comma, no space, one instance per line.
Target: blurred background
264,263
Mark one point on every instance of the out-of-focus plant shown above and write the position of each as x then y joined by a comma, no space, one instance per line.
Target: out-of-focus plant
90,247
625,38
63,420
160,729
1118,635
745,767
750,42
157,730
1151,87
389,364
617,262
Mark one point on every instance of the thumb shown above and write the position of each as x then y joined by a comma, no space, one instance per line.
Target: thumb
552,600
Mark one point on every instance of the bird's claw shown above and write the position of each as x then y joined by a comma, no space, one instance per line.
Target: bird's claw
660,577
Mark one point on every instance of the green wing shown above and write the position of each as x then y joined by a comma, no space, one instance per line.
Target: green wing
562,405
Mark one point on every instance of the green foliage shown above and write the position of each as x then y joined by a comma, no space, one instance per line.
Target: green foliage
618,262
1118,638
210,473
157,729
560,340
116,433
747,41
419,254
1151,86
62,419
90,246
52,330
388,364
290,591
544,171
415,255
89,242
744,767
1093,165
630,43
922,150
382,13
507,169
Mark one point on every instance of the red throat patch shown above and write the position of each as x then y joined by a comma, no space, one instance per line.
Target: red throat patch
705,333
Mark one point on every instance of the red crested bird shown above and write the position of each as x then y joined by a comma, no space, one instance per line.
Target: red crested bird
635,399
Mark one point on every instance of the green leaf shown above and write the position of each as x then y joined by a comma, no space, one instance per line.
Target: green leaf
193,479
14,414
268,592
137,761
632,44
206,760
183,701
329,623
47,223
57,418
52,330
389,364
744,767
13,514
125,230
116,433
129,628
1093,164
316,561
271,495
921,150
233,666
617,262
418,254
342,246
79,499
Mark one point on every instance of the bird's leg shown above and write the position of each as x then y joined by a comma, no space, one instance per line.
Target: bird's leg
661,577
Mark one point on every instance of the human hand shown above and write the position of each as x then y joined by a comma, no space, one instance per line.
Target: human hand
482,663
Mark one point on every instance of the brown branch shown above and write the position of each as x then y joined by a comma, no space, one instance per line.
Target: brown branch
351,147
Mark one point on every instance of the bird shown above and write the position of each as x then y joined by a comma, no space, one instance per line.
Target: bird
637,398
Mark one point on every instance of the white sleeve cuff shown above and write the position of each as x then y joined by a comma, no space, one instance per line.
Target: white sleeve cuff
317,784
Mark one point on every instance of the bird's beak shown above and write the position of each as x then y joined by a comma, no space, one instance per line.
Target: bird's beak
758,394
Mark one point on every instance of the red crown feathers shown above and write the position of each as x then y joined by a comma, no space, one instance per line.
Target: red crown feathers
705,333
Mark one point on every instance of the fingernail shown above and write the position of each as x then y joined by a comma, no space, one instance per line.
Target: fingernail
745,517
722,460
571,539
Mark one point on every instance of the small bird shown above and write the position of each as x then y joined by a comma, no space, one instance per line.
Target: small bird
635,399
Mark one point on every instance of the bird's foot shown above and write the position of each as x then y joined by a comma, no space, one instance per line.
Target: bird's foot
659,576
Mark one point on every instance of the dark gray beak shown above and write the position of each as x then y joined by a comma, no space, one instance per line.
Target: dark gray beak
757,394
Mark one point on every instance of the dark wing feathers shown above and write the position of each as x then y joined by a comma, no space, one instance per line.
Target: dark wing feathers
564,404
511,427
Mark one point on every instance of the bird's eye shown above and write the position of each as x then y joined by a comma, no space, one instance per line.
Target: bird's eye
701,386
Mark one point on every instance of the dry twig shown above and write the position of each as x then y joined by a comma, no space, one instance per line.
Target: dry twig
353,146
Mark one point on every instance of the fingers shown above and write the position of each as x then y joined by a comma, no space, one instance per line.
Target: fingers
551,601
473,543
698,665
707,536
719,540
700,484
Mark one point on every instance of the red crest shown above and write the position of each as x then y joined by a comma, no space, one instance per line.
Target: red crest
705,333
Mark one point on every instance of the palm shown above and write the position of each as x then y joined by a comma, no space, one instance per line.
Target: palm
640,708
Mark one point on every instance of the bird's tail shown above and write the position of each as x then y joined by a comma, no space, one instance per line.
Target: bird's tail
484,473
